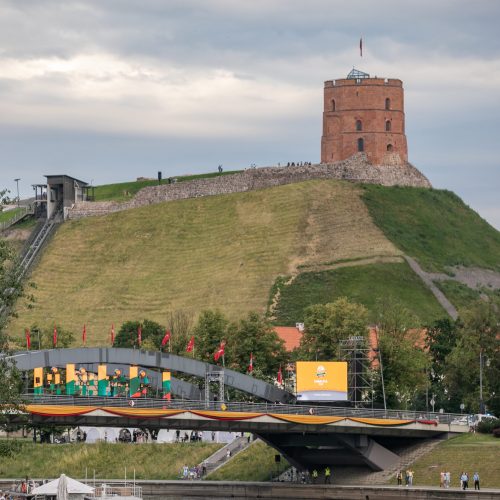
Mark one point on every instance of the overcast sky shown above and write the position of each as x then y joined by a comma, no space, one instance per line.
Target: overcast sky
109,90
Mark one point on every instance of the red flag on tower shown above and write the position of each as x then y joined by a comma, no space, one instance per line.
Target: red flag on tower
139,335
112,335
220,351
84,334
166,338
28,339
280,376
190,345
54,337
250,366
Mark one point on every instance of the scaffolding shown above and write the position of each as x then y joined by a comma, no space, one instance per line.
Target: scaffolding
356,351
215,377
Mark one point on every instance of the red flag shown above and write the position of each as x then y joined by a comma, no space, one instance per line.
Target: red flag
84,334
280,376
361,47
28,339
54,337
220,351
190,345
139,335
112,334
250,366
166,338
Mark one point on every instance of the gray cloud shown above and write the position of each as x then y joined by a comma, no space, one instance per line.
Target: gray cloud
108,90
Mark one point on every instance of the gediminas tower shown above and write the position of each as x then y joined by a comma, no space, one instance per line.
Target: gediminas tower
364,115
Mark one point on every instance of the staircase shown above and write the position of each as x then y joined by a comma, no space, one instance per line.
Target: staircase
220,458
38,239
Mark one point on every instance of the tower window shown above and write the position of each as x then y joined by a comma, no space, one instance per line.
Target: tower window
333,105
387,103
388,125
389,147
361,144
359,125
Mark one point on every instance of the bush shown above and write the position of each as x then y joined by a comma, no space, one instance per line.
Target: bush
487,425
496,432
9,447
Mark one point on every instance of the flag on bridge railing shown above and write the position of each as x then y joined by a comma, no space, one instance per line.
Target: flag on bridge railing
220,351
190,346
250,366
28,339
166,338
139,335
280,376
54,337
84,334
112,335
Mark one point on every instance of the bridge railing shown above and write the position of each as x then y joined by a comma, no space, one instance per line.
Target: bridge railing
236,406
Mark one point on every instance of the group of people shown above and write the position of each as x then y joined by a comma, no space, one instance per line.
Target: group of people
327,475
408,476
196,472
464,481
299,164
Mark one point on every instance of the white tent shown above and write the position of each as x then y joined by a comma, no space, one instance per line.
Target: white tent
74,489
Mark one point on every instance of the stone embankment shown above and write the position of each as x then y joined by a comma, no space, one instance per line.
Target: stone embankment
355,169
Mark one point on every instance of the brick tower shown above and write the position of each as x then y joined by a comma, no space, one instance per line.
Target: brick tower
364,115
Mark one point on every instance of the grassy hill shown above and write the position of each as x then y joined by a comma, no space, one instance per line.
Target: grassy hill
222,251
278,249
150,461
467,452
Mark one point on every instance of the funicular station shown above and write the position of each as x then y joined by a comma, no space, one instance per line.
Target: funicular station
112,387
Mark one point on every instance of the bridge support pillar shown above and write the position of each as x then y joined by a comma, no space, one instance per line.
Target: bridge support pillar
373,454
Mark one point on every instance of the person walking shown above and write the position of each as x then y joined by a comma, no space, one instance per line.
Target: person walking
442,476
475,478
447,479
464,480
410,478
315,476
399,478
328,474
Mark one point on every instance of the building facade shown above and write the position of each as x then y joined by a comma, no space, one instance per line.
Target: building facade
364,115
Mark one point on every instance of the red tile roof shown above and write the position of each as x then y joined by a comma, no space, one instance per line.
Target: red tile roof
290,334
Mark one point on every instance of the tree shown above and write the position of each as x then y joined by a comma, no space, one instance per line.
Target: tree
180,323
254,335
327,324
405,361
152,334
42,336
210,330
478,340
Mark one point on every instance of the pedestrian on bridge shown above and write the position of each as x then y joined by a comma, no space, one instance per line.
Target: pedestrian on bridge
315,476
328,474
475,478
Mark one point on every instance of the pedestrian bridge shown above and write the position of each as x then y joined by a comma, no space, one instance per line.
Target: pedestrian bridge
306,436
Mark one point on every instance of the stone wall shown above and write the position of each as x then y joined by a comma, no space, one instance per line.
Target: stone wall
355,169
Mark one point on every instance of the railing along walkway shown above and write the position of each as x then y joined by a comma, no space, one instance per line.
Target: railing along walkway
245,407
23,212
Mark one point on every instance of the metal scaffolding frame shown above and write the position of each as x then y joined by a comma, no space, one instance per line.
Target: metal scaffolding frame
217,377
356,351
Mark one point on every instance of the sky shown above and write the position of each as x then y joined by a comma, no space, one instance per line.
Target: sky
108,91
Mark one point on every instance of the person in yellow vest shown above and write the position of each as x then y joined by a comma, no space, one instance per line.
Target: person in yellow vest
315,476
328,474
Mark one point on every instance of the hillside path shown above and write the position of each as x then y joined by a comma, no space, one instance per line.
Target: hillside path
426,278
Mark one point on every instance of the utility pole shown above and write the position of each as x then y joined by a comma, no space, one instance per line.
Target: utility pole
17,184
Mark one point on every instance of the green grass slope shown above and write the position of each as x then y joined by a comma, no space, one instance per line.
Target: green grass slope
150,461
434,226
467,452
366,284
221,251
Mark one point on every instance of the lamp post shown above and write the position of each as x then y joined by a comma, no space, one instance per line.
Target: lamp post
481,365
17,184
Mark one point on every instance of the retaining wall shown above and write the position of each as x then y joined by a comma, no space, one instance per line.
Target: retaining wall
355,169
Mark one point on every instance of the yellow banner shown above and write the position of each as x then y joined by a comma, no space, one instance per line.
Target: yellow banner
322,380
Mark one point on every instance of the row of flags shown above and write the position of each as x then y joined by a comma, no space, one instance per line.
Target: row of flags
219,353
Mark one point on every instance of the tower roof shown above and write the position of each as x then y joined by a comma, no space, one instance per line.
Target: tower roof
356,73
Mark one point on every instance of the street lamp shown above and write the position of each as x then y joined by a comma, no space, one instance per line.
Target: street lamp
17,184
481,364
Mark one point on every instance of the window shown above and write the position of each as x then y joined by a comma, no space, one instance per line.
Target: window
387,103
361,144
333,104
388,125
359,125
389,147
